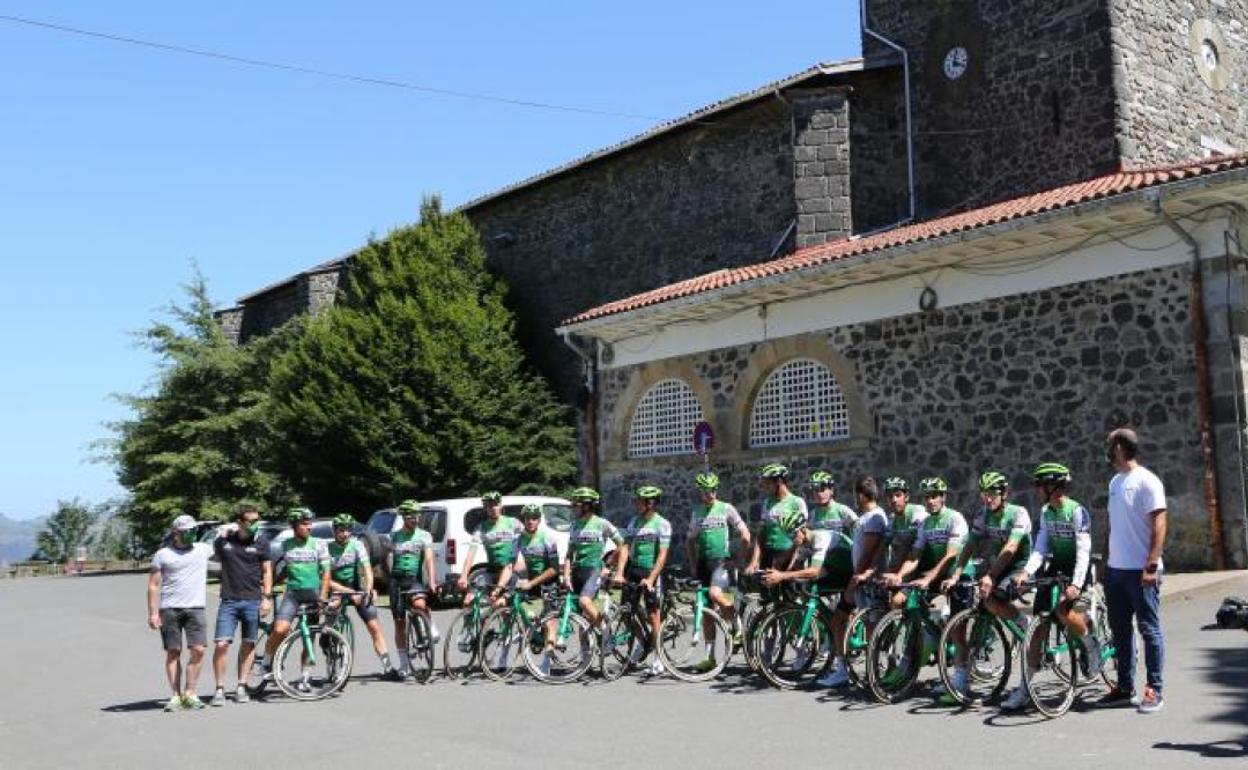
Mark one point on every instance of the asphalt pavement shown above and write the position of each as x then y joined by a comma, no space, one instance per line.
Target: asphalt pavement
82,685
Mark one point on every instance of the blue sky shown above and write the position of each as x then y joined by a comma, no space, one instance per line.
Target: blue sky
121,164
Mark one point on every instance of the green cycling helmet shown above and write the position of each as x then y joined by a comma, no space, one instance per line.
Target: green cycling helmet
792,521
993,481
585,495
708,481
491,497
933,484
344,521
298,514
531,511
821,479
409,507
773,471
896,484
648,492
1051,473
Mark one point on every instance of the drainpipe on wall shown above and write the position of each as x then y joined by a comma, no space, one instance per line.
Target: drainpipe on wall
1231,235
905,71
589,361
1203,396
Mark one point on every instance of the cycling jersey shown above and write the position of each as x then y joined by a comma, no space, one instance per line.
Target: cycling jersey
306,561
713,525
1066,537
904,530
409,551
772,536
587,540
645,538
347,561
499,539
834,516
829,551
936,534
992,531
540,552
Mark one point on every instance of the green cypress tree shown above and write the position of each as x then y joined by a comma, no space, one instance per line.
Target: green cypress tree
413,383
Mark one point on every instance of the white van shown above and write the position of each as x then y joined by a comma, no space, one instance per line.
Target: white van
452,522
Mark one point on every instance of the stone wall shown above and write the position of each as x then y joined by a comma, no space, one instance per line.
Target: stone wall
1171,95
1005,384
821,174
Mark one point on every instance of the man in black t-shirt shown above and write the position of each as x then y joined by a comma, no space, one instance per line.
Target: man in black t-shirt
246,590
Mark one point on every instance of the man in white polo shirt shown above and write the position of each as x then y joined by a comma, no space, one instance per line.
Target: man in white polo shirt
1137,532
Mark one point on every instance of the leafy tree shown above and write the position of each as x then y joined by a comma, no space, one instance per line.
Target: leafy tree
199,442
413,383
67,529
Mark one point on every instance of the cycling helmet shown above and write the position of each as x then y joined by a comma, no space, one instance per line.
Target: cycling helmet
933,484
585,495
792,521
993,481
298,514
820,479
344,521
896,483
707,481
1051,473
648,492
491,497
531,511
773,471
409,508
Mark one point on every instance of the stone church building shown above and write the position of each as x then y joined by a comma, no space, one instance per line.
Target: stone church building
1006,229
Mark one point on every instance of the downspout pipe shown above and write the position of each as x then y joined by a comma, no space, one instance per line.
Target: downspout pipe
589,361
1204,398
905,73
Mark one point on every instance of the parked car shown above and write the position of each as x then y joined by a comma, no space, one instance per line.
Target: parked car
452,522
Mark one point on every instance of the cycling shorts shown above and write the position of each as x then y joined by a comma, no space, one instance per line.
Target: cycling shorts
294,599
713,572
400,583
651,600
585,581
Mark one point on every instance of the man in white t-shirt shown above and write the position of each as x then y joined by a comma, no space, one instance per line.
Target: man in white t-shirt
1137,532
176,594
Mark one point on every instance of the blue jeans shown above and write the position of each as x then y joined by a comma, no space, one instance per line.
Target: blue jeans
1128,600
231,613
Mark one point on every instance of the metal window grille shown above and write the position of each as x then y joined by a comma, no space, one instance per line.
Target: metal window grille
801,402
664,420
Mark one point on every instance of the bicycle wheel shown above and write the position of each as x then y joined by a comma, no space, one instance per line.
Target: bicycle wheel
1053,683
684,649
461,648
503,637
623,643
857,637
312,668
419,646
572,655
753,636
987,657
893,657
1109,656
795,656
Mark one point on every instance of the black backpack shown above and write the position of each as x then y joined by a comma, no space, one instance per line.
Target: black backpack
1233,613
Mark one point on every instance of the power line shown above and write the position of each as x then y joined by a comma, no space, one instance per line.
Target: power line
386,82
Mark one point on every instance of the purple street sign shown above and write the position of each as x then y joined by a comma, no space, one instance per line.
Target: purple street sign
703,438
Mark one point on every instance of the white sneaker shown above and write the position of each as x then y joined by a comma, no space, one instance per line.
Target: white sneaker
656,668
1017,699
837,677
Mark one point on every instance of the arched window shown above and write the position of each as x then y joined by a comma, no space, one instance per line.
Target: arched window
664,419
801,402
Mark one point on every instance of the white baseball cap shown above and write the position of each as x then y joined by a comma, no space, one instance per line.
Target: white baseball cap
183,523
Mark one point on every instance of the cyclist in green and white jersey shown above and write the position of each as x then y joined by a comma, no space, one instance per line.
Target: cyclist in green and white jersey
1065,539
906,519
538,559
307,576
351,570
1000,536
709,545
825,511
497,535
940,540
410,558
587,540
773,546
647,539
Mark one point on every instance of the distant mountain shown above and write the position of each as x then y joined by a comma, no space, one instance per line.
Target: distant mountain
17,538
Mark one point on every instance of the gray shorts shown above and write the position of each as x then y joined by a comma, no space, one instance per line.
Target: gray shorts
174,623
292,600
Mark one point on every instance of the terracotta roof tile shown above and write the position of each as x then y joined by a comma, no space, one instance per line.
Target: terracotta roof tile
1049,200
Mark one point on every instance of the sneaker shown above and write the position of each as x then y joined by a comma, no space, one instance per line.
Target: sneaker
392,675
218,698
947,698
192,703
897,674
656,668
1150,702
706,665
240,695
1016,700
303,686
174,704
837,677
1115,698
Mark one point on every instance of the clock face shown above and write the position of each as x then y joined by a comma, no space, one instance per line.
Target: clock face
955,62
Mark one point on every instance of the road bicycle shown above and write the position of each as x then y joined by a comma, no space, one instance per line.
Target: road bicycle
314,660
858,630
794,641
461,649
1060,662
506,631
626,635
904,641
695,642
985,644
573,652
420,641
